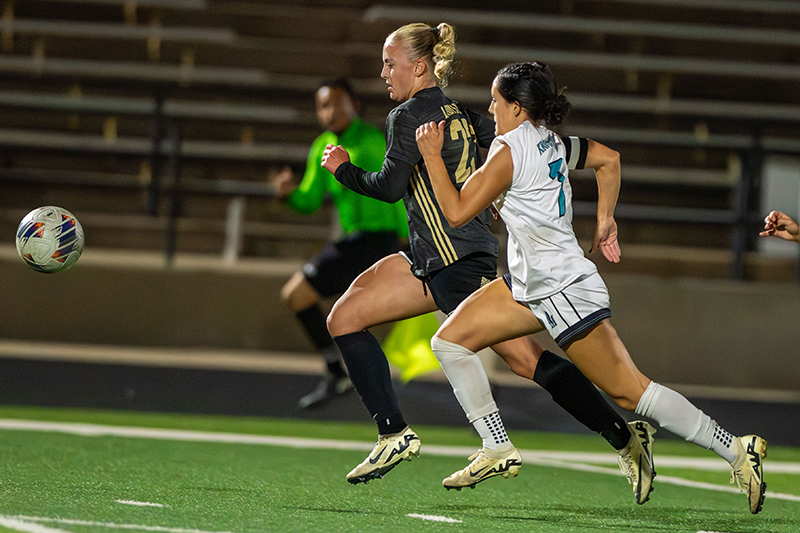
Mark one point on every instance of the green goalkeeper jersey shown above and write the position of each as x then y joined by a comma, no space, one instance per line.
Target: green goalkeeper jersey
366,146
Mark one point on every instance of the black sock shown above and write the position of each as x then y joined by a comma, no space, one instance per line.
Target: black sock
369,372
314,323
578,396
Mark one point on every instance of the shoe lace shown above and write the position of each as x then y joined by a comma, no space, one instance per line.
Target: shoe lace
737,470
382,441
737,477
474,460
626,465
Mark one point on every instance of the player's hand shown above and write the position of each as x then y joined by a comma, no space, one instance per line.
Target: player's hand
605,238
778,224
430,139
333,156
283,181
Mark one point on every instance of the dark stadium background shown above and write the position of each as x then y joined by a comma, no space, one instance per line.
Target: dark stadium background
158,122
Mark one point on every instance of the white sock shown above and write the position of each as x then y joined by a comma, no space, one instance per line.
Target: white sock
724,444
675,413
468,378
493,433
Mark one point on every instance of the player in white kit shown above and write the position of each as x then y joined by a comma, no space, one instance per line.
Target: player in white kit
553,286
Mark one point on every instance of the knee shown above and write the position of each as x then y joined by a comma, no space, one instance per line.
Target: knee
519,363
626,403
334,323
446,351
298,294
522,368
628,400
521,355
286,292
448,333
341,321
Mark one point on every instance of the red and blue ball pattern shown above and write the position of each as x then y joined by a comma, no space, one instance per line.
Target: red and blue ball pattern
50,239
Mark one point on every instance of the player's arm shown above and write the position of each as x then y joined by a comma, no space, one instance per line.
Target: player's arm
480,189
388,185
606,165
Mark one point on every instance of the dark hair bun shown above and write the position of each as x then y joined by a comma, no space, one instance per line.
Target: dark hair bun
559,109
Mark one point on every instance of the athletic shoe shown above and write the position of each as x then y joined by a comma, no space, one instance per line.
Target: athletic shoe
485,464
637,460
387,454
747,471
325,390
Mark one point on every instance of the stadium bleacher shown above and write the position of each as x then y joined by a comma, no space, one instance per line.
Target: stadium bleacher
160,121
90,91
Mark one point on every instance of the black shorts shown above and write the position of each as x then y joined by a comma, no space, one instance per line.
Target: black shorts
333,270
451,285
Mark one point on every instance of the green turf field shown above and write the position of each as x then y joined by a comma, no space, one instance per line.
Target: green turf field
54,480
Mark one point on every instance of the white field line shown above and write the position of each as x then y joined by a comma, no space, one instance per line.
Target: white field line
141,504
27,527
567,460
109,525
434,518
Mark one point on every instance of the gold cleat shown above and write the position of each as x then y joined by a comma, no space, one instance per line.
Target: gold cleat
388,452
485,464
747,471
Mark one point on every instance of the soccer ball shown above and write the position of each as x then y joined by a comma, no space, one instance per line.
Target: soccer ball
49,239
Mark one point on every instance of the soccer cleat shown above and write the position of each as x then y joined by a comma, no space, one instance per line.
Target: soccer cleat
484,464
747,470
325,390
387,454
636,461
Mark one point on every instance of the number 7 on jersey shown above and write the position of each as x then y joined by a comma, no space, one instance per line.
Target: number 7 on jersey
555,174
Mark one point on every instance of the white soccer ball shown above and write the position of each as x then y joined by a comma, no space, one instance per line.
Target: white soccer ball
49,239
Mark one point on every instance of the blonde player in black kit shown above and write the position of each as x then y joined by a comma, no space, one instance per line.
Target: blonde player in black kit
447,265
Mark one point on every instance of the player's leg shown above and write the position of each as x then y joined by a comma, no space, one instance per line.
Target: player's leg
329,274
568,387
603,358
566,314
490,308
488,317
385,292
302,298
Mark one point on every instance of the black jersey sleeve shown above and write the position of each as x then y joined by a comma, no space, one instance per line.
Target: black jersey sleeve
401,136
484,127
577,148
388,185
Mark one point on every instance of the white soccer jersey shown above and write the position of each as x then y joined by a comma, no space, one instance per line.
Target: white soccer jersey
543,253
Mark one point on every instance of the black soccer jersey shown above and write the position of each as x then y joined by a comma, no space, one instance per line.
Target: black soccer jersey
434,244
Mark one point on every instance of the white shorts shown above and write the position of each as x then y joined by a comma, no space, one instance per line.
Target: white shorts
575,309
